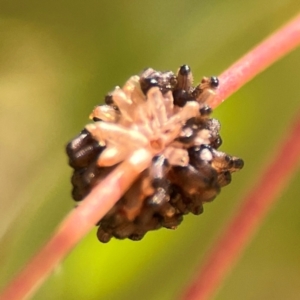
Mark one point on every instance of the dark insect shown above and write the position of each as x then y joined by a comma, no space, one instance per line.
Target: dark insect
167,115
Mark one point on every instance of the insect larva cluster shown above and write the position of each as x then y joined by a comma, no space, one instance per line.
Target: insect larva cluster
165,114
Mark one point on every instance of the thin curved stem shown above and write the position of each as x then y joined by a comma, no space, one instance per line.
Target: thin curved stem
258,202
257,60
81,220
76,225
248,217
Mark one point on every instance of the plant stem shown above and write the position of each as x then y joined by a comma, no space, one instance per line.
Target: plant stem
76,225
257,60
81,220
274,179
248,217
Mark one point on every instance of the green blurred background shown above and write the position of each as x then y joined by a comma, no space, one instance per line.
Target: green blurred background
57,61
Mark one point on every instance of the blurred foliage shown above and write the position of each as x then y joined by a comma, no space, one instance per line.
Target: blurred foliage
57,61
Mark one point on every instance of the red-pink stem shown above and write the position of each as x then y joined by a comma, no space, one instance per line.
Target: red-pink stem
76,225
79,222
257,203
265,54
248,217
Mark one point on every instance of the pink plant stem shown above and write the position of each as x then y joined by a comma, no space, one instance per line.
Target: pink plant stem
248,217
272,182
265,54
81,220
76,225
